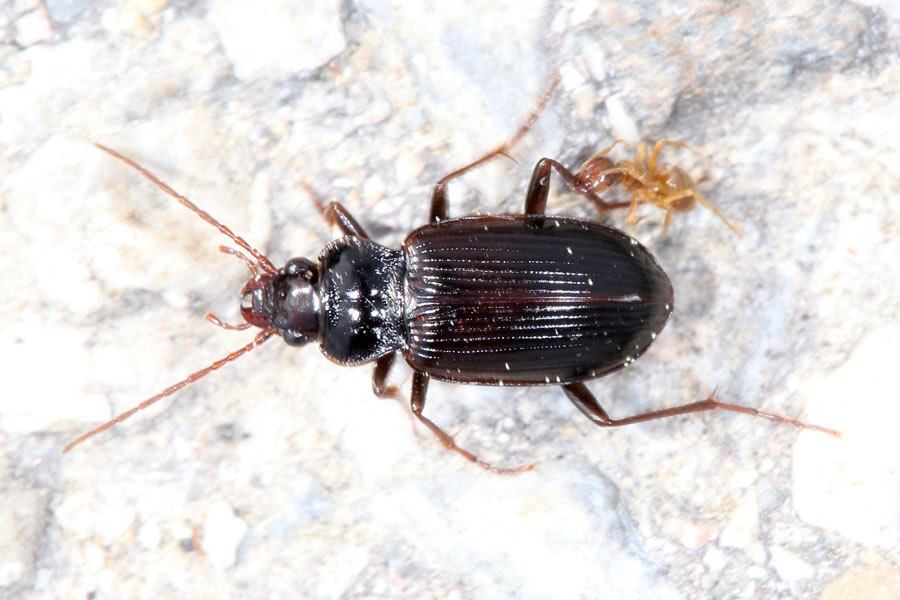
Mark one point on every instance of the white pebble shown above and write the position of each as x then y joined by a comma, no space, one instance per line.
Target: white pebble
222,533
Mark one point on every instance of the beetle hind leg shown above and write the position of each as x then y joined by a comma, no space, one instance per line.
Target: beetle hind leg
539,188
587,403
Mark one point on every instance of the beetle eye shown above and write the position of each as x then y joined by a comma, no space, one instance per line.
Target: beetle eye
303,268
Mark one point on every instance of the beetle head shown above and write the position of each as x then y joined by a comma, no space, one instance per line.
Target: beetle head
286,301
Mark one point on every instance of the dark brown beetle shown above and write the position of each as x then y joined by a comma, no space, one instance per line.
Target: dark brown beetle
528,299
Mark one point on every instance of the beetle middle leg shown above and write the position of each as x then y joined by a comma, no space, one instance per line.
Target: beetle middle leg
439,209
587,403
417,405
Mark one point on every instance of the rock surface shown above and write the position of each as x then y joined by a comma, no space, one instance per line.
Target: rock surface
316,488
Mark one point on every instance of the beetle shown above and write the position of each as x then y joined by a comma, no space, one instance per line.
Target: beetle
524,299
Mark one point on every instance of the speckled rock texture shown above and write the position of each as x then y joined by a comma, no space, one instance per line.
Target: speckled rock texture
281,475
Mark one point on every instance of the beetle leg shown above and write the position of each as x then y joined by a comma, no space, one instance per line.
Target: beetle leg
379,377
439,210
334,213
417,405
345,221
587,403
380,387
539,188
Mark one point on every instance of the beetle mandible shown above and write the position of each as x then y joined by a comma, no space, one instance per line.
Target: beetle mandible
525,300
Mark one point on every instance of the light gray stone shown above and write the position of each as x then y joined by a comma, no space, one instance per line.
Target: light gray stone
106,281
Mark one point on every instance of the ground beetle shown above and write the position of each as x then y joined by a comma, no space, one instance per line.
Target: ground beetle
529,299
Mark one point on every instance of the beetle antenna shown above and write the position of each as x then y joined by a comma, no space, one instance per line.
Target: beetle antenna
264,262
261,337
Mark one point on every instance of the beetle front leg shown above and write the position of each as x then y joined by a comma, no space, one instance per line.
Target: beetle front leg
380,375
341,217
334,213
417,405
587,403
